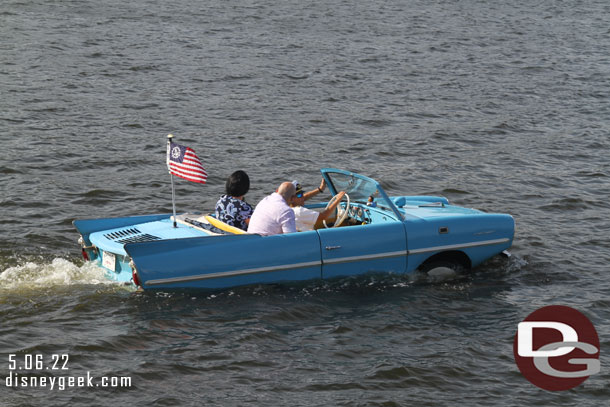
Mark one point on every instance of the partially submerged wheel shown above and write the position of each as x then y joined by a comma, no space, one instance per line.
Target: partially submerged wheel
446,267
440,264
440,270
341,213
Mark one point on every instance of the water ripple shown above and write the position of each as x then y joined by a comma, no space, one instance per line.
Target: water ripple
498,107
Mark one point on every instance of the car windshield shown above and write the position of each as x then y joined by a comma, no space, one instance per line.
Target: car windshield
359,188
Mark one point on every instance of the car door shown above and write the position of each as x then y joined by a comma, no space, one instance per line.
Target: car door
371,248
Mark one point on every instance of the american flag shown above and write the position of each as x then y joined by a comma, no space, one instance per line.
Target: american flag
183,162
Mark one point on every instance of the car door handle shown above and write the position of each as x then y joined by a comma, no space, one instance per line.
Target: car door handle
332,247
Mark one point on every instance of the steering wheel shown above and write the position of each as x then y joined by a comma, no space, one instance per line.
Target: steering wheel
341,213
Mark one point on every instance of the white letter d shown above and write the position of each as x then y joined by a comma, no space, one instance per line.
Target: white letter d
526,338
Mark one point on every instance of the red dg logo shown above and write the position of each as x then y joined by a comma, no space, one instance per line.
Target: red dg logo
556,348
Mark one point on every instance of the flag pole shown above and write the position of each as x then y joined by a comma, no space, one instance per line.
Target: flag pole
171,177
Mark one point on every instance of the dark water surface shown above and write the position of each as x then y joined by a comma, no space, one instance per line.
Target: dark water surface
498,105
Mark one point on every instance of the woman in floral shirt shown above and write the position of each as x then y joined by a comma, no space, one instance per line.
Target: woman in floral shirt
231,207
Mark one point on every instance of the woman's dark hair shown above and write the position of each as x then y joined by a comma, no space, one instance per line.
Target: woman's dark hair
238,184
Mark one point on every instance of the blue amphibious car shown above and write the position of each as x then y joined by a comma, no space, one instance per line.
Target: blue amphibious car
390,234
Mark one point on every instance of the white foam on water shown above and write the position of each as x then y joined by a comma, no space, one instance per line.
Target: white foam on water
59,272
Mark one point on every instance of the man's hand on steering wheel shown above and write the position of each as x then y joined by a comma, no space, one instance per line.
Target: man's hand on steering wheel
332,206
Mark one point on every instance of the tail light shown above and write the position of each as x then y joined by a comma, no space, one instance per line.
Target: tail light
134,274
84,248
136,279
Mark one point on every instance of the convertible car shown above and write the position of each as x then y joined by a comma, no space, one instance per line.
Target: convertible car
370,233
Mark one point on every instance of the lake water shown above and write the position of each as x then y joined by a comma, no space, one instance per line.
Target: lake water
501,106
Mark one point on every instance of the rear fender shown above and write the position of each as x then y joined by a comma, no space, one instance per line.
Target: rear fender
225,261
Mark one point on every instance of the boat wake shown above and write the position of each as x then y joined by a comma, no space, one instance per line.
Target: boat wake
58,272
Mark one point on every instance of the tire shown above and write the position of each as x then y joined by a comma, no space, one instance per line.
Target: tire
437,267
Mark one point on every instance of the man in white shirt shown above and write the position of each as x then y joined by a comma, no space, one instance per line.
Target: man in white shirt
306,219
272,215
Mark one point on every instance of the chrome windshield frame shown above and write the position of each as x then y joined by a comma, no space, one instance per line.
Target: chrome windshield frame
328,172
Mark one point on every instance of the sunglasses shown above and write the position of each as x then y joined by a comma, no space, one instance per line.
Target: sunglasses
299,195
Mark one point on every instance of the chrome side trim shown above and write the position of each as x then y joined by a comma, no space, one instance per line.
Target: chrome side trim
365,257
234,273
339,260
459,246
